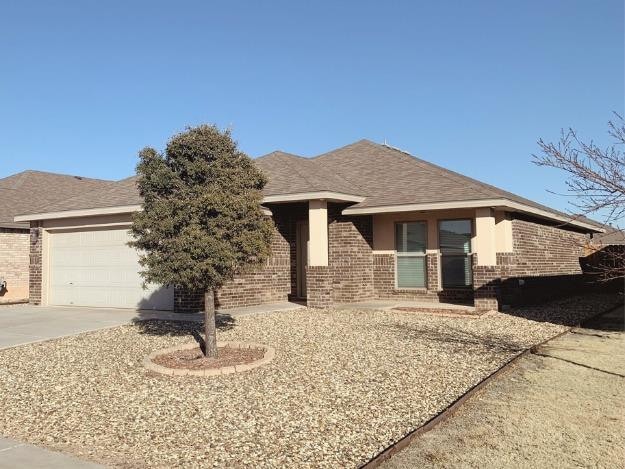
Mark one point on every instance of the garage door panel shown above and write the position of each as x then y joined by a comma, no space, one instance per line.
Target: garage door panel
98,268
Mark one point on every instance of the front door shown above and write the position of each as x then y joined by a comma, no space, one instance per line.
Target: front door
302,240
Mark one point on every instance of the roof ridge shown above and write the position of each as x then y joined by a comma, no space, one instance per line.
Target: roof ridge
52,173
362,140
280,153
442,171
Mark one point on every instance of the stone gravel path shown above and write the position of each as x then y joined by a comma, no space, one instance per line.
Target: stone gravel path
343,386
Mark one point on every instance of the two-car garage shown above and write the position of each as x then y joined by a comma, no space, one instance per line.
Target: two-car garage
95,267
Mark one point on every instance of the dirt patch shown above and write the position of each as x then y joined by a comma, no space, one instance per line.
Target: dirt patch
194,359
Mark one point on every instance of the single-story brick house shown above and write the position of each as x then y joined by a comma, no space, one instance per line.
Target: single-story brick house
362,222
26,192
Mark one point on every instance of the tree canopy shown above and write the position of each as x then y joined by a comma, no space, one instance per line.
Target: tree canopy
202,220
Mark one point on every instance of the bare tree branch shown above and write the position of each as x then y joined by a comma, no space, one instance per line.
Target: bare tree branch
595,180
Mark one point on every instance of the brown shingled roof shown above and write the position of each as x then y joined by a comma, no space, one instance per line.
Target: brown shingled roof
30,191
394,177
289,174
115,194
381,174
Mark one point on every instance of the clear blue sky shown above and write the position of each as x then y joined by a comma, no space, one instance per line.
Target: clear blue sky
467,85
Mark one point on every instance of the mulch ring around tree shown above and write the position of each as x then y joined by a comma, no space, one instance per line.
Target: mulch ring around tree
188,359
194,359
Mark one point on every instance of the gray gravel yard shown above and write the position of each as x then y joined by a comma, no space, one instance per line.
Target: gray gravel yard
343,386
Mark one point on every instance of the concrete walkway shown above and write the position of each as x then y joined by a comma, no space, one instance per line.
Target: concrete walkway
390,304
559,407
16,455
23,324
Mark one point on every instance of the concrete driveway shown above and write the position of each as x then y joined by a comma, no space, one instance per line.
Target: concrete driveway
21,324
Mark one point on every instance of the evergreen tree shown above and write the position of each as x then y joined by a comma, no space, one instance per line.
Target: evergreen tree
202,220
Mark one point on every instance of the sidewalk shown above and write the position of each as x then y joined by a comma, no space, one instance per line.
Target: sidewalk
559,407
16,455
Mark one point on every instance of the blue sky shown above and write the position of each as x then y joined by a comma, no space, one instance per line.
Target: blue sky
468,85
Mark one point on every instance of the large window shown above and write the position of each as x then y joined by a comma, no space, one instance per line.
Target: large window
455,245
410,240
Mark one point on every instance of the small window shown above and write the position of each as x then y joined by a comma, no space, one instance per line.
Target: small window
455,245
410,242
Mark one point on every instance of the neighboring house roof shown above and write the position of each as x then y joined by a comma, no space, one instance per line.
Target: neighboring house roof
372,176
122,193
612,236
31,191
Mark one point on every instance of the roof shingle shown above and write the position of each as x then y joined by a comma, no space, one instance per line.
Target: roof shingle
31,191
381,174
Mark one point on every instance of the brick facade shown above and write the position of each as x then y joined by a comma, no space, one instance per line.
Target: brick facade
273,282
486,287
350,252
35,266
384,283
545,259
14,264
319,286
545,262
545,250
268,284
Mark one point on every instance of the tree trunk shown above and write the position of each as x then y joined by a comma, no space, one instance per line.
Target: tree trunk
210,332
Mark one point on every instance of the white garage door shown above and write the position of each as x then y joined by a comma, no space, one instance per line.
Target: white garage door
97,268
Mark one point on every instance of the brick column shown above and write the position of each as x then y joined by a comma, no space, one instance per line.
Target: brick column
432,271
486,287
318,286
35,265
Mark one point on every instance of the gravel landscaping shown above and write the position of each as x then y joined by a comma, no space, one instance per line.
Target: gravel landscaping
343,386
194,359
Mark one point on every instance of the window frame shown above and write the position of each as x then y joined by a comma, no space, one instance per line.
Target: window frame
469,254
415,255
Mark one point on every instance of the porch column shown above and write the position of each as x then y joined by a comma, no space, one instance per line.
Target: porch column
318,275
486,278
485,237
432,256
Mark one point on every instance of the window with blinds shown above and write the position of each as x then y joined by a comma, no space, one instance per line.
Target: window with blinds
410,242
455,246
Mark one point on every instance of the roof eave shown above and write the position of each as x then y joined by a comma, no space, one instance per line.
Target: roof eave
479,203
315,195
87,212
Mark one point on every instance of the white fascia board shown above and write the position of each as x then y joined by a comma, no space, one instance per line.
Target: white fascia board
92,212
303,196
503,203
422,207
79,213
553,216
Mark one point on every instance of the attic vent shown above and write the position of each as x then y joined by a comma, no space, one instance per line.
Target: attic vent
395,148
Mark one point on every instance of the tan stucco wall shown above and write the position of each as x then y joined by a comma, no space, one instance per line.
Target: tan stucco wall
318,227
503,232
384,226
485,241
14,260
